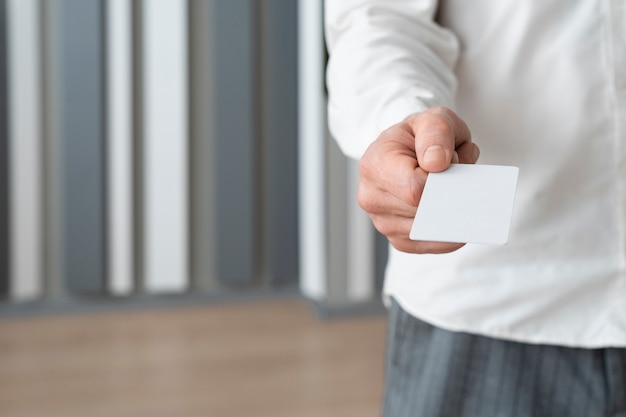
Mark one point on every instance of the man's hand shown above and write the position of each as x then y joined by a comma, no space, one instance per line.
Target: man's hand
393,172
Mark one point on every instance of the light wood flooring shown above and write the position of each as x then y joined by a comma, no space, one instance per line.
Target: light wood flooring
262,359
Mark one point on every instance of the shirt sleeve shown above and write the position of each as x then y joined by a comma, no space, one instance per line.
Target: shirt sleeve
387,59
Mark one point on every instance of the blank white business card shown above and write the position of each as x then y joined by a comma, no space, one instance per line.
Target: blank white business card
467,204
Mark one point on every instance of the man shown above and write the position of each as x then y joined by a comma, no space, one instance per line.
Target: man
536,327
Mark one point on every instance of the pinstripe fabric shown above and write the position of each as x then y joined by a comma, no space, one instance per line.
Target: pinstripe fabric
432,372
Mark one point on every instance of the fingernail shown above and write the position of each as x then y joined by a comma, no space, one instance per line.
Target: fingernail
435,153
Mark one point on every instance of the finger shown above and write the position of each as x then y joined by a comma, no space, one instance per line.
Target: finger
377,201
389,164
397,230
468,153
422,247
392,227
438,132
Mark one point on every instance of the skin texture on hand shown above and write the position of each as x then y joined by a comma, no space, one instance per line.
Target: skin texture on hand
394,168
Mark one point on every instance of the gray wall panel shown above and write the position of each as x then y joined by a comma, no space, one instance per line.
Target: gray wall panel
54,287
138,143
202,143
382,255
4,162
82,132
336,187
280,131
235,135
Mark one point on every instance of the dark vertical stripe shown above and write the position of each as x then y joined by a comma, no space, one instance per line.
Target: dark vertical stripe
522,399
506,373
336,223
82,125
547,374
616,369
561,394
202,155
54,286
574,397
381,246
235,136
592,391
475,378
280,114
138,143
440,370
459,373
4,159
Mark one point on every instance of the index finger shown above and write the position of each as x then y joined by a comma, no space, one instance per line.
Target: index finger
389,164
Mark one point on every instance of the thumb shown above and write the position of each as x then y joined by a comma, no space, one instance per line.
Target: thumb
438,133
435,158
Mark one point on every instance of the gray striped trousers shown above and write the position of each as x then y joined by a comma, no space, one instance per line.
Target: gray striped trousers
432,372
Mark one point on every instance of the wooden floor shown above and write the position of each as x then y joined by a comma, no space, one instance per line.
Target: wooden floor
271,359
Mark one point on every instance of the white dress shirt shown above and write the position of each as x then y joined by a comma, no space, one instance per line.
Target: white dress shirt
542,86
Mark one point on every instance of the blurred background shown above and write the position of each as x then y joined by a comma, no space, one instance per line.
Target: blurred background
178,232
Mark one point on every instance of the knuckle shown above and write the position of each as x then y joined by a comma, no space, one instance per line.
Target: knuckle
368,167
438,129
365,200
384,227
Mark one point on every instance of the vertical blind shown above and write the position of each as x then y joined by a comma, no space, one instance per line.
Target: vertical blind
173,147
342,257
